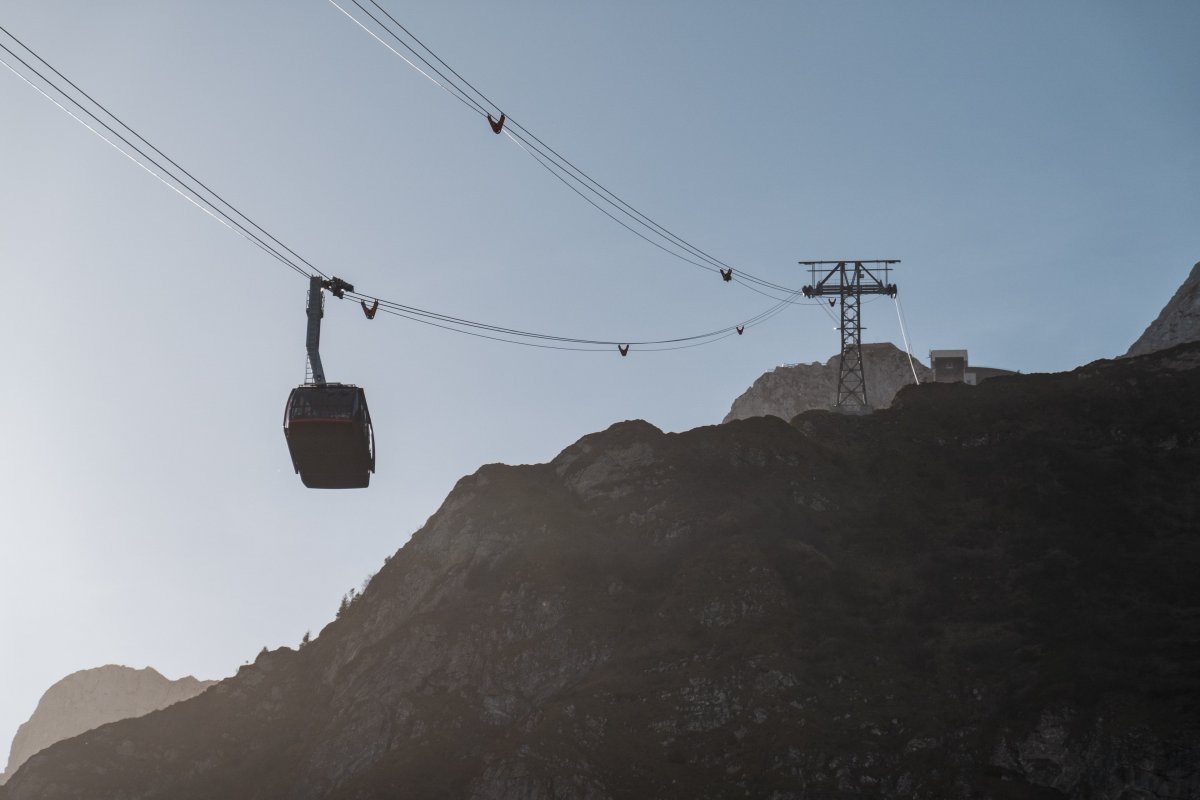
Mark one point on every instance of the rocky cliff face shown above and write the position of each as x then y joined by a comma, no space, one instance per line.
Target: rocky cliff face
93,697
1177,323
787,391
982,592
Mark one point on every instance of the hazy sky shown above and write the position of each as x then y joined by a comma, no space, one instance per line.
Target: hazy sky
1035,165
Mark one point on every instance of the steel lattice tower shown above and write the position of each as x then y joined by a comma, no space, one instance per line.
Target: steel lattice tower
848,285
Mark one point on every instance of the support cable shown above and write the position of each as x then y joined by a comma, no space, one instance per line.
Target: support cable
413,311
453,71
536,156
243,225
595,348
214,214
139,150
904,335
456,94
561,167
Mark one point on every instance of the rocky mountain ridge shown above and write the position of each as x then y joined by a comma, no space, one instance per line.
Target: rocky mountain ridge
982,592
93,697
1177,323
793,389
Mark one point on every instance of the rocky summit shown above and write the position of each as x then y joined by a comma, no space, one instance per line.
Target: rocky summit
793,389
93,697
1177,323
982,592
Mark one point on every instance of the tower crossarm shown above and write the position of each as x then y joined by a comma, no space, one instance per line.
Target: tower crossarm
837,278
848,284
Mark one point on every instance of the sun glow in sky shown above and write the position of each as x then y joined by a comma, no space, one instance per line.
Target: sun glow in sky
1035,166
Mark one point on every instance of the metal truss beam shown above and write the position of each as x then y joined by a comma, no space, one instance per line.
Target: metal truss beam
848,285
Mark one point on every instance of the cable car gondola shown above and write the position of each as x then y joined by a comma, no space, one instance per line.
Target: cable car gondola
329,435
328,425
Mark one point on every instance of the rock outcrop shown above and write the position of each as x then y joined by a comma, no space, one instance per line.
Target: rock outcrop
1177,323
981,592
793,389
93,697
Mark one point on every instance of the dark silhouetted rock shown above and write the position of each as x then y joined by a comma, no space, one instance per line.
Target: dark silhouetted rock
982,592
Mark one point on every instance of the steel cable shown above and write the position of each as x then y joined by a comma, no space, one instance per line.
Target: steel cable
563,169
281,252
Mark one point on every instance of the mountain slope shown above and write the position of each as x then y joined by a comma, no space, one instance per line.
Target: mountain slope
982,592
1177,323
93,697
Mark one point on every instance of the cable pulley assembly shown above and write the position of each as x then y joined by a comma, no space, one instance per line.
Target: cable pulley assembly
337,287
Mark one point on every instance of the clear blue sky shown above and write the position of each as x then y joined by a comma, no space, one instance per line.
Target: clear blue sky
1035,165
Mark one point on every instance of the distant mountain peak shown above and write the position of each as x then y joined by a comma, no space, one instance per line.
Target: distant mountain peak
793,389
93,697
1177,323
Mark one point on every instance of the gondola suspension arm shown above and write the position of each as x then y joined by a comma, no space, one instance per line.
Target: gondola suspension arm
316,310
